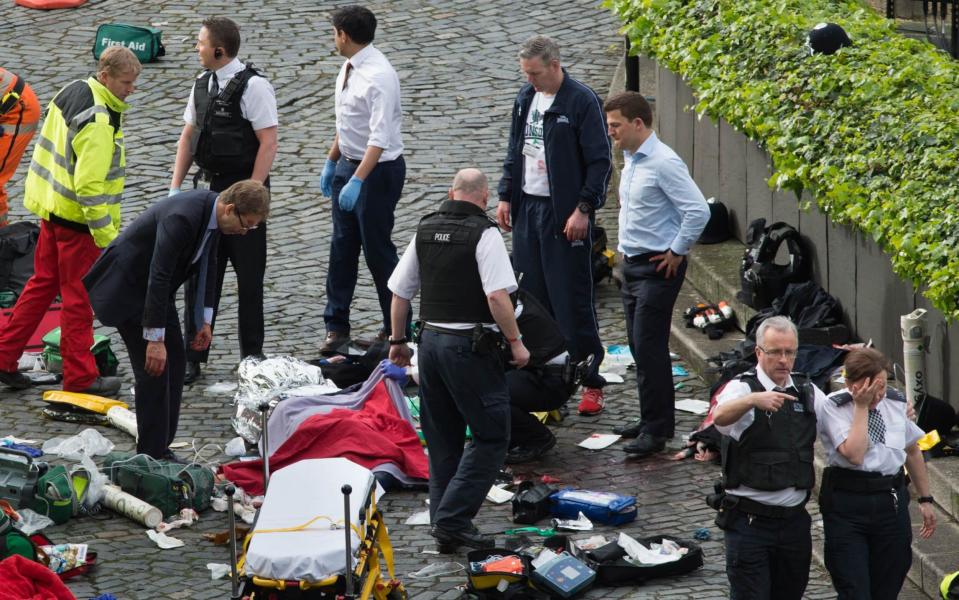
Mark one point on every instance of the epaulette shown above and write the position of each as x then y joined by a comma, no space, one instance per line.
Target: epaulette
895,395
841,398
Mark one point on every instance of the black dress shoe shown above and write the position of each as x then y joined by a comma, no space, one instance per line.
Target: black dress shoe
169,456
629,430
528,452
192,372
645,445
448,541
15,380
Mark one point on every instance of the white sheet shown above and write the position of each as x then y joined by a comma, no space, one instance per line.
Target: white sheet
296,494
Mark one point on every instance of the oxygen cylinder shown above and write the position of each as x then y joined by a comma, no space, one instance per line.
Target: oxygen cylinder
913,327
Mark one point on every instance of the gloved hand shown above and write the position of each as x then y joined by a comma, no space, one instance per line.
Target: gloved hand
350,193
326,179
392,371
173,192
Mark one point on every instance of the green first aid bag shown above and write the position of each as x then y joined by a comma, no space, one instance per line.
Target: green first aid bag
143,41
166,485
102,353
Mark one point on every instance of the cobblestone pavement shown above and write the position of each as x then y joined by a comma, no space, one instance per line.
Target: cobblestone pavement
456,60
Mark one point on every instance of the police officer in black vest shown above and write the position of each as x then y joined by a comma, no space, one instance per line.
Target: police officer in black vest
230,132
768,421
544,384
459,263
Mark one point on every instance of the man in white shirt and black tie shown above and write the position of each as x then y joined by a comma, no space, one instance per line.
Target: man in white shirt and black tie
364,171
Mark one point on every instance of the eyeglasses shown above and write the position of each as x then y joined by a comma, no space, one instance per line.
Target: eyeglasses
779,352
243,225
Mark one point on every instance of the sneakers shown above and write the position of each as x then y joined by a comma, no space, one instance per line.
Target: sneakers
592,402
15,380
104,386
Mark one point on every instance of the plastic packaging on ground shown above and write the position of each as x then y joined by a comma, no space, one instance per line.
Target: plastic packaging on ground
437,570
89,442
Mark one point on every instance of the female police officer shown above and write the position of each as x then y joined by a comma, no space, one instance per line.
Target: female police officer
863,499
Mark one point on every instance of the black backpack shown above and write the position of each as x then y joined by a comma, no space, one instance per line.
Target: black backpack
761,278
17,243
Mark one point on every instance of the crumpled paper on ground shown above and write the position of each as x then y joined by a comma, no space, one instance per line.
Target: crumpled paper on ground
187,518
163,541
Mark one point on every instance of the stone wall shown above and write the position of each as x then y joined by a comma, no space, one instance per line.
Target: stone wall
735,170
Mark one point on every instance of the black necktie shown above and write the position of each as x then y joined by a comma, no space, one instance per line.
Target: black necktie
216,87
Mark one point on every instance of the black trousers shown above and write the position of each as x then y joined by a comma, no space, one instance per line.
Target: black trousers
530,391
868,543
157,398
460,387
648,299
766,558
247,254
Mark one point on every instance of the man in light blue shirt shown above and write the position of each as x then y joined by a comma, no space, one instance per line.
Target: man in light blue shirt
662,212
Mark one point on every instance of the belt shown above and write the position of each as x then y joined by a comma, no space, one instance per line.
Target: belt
641,258
468,333
532,197
352,161
863,482
10,99
751,507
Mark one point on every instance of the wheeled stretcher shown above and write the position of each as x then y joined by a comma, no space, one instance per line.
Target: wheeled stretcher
318,535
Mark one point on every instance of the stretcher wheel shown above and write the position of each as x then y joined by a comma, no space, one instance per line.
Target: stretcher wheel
397,594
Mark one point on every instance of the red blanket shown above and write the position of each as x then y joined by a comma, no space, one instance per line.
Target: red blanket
371,436
23,579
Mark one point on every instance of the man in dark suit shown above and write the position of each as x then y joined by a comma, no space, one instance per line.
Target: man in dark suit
133,285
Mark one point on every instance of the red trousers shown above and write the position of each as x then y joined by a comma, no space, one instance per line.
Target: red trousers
63,256
16,129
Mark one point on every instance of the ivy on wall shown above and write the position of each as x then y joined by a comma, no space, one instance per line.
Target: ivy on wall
872,132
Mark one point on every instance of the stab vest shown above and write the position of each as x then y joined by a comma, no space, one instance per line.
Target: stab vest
776,451
451,290
226,143
541,333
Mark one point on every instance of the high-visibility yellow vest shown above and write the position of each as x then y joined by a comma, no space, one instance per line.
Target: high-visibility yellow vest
79,162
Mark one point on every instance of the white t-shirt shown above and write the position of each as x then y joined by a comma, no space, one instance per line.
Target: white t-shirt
535,178
257,105
886,458
734,390
495,270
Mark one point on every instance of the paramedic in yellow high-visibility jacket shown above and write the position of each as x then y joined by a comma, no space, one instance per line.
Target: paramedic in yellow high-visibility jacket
75,184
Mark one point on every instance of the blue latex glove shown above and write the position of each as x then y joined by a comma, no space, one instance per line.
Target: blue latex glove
392,371
350,193
173,192
326,179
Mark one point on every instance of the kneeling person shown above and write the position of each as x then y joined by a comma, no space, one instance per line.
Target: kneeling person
544,384
133,286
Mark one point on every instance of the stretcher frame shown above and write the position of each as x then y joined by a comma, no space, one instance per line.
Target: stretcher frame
374,547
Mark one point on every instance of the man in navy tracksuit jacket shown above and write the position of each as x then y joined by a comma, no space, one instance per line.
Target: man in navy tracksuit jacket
555,175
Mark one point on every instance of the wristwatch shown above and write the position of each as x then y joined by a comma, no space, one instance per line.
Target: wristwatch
584,208
397,341
925,500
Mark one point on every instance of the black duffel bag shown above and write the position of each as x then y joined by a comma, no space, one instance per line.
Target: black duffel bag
612,569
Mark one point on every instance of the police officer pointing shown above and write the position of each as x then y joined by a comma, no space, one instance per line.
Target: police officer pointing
458,261
768,421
